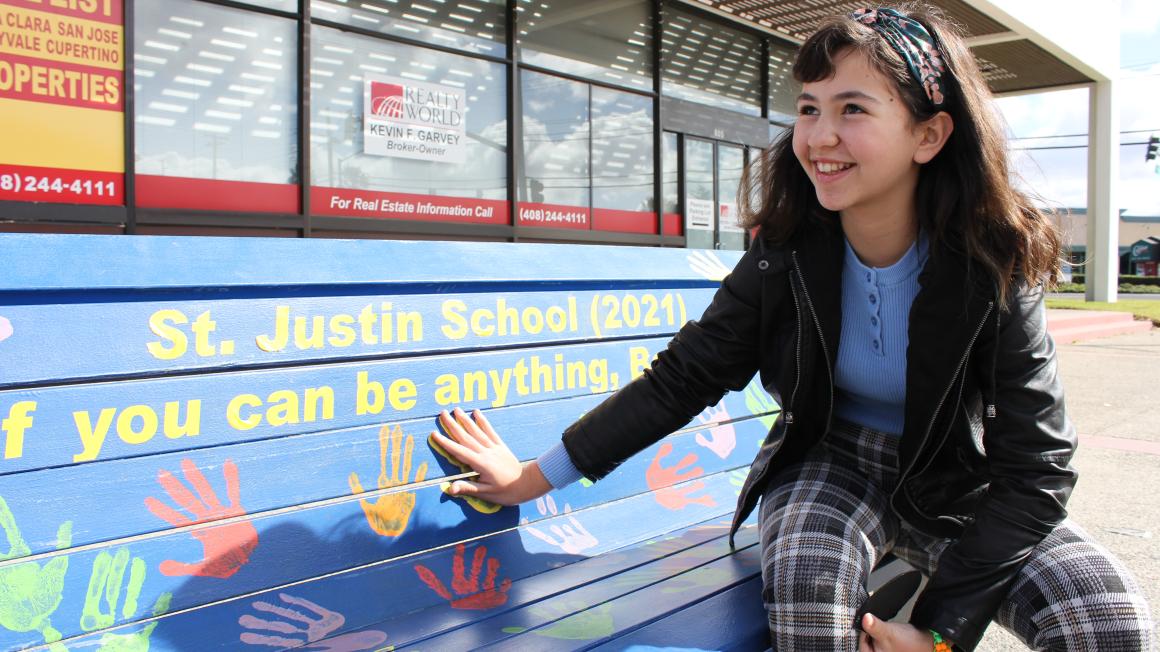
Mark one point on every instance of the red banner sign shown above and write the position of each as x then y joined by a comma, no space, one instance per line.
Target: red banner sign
555,216
372,204
26,183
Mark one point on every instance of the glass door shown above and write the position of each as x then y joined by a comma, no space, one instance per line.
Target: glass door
712,174
700,194
730,164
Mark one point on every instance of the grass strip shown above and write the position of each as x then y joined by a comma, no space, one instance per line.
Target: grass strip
1140,308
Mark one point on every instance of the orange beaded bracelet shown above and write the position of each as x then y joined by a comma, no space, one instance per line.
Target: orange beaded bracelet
939,644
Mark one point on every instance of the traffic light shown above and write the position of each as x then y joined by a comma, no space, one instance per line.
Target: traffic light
1153,149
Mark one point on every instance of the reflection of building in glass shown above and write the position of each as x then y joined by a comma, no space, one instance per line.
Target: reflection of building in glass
626,121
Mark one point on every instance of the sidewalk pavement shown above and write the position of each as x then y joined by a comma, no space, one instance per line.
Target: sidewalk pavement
1112,387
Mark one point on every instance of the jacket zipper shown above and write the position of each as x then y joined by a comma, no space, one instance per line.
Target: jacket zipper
934,417
821,338
797,353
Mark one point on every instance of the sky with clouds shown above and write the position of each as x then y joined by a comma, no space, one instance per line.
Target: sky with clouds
1059,121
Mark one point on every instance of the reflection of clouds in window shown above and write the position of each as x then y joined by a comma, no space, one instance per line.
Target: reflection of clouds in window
671,173
622,150
474,26
221,106
577,136
711,64
340,62
783,90
610,41
555,140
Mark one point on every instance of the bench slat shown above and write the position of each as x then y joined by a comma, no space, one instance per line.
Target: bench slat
79,423
36,262
111,336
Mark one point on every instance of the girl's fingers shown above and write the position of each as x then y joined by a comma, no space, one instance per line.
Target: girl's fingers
485,426
465,488
456,431
460,452
470,428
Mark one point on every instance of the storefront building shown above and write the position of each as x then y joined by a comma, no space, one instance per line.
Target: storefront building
614,121
1144,257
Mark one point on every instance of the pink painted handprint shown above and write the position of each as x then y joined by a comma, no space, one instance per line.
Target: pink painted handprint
661,480
467,586
5,329
226,547
722,438
309,630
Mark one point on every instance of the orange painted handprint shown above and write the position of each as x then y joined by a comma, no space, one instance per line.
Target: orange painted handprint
661,480
389,514
226,547
467,587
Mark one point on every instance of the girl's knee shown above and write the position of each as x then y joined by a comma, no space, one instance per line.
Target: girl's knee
1115,622
1073,594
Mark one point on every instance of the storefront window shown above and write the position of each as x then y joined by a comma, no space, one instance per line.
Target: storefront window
556,188
622,162
588,157
216,108
474,26
283,5
711,64
605,41
406,133
670,186
783,90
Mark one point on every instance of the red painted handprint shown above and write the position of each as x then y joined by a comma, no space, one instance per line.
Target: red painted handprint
661,480
467,587
227,547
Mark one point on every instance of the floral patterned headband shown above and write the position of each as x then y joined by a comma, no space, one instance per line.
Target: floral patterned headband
913,43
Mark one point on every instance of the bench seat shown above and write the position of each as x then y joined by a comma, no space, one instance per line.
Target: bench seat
221,444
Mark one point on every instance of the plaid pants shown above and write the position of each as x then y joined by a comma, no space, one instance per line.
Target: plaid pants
826,521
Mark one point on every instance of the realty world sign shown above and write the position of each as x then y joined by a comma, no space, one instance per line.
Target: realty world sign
411,119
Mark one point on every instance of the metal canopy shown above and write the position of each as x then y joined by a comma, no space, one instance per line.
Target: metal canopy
1009,62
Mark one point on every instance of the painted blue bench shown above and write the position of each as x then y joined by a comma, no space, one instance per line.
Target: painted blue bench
216,443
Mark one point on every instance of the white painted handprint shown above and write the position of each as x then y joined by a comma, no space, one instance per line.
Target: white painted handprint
290,627
707,264
572,538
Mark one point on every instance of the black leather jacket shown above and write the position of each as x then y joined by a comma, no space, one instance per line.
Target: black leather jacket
986,445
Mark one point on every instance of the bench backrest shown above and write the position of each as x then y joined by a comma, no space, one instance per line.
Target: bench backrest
237,428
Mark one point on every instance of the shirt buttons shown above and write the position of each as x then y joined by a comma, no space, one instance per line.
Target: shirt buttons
867,277
873,299
876,344
873,321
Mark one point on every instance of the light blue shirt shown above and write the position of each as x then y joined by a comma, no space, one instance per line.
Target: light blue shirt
870,373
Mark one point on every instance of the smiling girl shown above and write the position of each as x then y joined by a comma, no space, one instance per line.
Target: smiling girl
892,303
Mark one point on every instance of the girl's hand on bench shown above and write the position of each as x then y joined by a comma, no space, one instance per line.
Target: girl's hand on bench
502,478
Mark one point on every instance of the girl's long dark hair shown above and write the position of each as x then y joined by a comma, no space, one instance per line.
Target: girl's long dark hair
965,196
